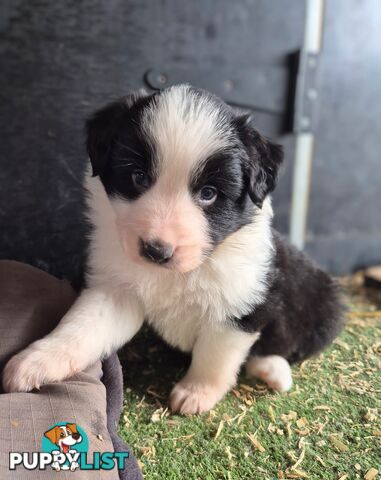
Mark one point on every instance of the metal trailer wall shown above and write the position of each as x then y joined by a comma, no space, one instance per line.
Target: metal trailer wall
61,60
344,219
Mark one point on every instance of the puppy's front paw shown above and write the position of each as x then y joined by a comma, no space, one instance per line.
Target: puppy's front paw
33,367
191,397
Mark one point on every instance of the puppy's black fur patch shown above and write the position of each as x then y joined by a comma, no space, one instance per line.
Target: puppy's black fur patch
117,145
303,311
264,159
232,208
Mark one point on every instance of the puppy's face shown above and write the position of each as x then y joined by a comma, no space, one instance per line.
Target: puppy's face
182,172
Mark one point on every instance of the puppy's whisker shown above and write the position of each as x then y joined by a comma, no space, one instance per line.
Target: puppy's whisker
129,149
122,165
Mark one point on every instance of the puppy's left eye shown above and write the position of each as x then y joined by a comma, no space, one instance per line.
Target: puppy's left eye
140,179
207,195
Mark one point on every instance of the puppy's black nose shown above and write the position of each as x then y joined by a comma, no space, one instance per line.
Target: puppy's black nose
156,251
75,436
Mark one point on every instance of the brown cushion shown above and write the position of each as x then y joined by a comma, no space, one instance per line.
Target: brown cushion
31,304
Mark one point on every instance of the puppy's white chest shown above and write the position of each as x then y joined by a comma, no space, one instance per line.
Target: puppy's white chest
176,318
178,308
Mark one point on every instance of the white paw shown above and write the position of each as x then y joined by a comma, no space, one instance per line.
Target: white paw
35,366
74,466
273,370
190,397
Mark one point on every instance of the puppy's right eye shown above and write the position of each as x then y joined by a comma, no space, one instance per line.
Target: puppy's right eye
207,195
140,180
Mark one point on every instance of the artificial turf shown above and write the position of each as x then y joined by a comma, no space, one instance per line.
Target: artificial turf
327,427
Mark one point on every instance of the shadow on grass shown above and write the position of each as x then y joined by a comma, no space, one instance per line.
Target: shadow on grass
374,296
150,366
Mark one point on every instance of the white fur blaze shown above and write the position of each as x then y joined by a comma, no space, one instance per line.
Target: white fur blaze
273,370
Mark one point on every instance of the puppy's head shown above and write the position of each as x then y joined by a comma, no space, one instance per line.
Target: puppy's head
182,172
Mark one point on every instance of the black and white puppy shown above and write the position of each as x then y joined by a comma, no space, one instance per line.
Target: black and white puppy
181,214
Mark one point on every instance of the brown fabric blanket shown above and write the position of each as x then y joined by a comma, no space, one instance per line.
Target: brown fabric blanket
31,304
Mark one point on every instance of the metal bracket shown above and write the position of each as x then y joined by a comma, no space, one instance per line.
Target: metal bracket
287,90
261,88
306,93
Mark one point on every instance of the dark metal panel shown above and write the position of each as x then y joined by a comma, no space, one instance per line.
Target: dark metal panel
263,88
344,226
61,60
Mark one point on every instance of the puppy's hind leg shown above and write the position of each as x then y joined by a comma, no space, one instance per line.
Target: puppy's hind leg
271,369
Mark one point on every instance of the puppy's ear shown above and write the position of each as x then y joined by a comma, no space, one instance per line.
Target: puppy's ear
73,427
53,434
265,158
102,127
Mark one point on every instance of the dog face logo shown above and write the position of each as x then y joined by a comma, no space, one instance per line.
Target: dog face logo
64,437
66,441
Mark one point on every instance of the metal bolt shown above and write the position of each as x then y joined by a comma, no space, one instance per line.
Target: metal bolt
312,93
162,78
305,122
312,62
228,85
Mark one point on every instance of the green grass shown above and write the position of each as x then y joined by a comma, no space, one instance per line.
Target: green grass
327,427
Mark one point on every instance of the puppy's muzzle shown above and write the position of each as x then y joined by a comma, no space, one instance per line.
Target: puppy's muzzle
156,251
